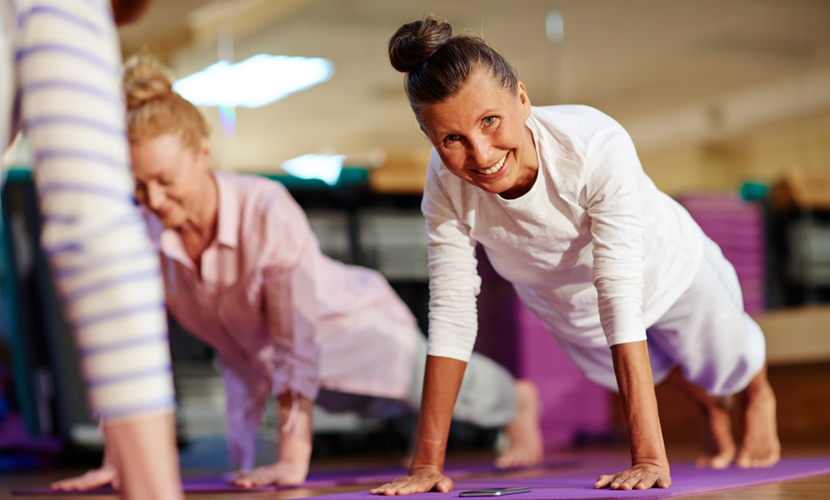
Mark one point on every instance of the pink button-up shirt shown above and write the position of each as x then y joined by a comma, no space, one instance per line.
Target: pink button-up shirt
282,316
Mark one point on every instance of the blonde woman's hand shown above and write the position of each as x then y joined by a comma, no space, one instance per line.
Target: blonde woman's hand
92,479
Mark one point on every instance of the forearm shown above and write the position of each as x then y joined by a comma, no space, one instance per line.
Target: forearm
636,385
144,453
442,381
294,431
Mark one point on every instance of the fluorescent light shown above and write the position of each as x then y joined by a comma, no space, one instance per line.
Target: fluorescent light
327,168
254,82
555,26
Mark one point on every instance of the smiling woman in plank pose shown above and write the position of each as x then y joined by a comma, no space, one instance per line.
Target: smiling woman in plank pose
620,274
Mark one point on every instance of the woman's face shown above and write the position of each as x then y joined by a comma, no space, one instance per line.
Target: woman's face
169,177
481,137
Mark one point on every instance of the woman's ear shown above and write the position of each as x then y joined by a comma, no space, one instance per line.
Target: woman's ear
204,152
523,98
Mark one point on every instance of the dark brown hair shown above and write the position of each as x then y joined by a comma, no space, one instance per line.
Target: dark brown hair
154,109
128,11
437,64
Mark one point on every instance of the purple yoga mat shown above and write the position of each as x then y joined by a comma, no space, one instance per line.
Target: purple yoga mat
202,484
577,485
218,483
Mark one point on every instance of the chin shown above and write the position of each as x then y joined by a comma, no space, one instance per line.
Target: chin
498,187
168,221
491,189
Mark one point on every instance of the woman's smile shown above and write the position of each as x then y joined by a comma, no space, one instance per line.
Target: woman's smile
164,212
491,171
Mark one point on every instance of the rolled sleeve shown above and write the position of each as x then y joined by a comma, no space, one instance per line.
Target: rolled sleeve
615,206
454,282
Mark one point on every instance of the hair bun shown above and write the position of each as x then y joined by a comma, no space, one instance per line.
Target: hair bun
416,42
145,80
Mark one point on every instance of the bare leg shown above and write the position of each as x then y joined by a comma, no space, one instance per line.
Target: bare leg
760,446
718,444
525,445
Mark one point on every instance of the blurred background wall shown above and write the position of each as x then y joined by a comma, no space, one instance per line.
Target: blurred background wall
728,103
713,92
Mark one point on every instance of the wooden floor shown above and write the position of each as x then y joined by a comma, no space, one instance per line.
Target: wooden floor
811,488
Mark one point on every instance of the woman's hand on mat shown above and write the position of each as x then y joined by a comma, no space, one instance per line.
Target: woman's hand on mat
419,481
281,473
92,479
638,477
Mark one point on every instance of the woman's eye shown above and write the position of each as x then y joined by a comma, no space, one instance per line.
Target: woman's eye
490,120
451,138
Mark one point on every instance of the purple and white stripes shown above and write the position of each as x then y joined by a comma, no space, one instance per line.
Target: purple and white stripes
66,61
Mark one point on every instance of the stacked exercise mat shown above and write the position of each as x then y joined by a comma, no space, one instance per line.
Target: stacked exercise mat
737,227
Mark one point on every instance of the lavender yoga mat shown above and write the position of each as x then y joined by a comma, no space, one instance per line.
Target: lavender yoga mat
218,483
578,484
202,484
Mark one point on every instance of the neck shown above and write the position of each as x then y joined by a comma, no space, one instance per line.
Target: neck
529,169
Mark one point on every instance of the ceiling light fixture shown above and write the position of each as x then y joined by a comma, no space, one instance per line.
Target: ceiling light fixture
555,26
254,82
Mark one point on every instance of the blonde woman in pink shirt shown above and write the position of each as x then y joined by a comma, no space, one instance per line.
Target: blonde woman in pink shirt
244,273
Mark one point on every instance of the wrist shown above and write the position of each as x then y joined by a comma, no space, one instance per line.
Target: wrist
650,451
295,448
429,455
425,469
662,462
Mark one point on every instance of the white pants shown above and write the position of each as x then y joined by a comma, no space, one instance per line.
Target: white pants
706,333
487,397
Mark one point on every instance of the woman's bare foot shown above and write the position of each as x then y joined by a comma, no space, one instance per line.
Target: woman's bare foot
92,479
718,444
760,446
716,417
281,473
525,446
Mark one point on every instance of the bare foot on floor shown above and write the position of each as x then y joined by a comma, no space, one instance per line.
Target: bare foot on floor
760,446
715,412
525,445
281,473
718,444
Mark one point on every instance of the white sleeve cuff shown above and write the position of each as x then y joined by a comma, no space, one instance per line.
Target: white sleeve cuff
626,337
443,351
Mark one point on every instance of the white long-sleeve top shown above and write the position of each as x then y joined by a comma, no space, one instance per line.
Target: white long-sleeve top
594,249
60,82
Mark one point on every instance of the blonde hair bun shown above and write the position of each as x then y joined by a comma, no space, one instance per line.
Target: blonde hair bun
145,80
154,109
